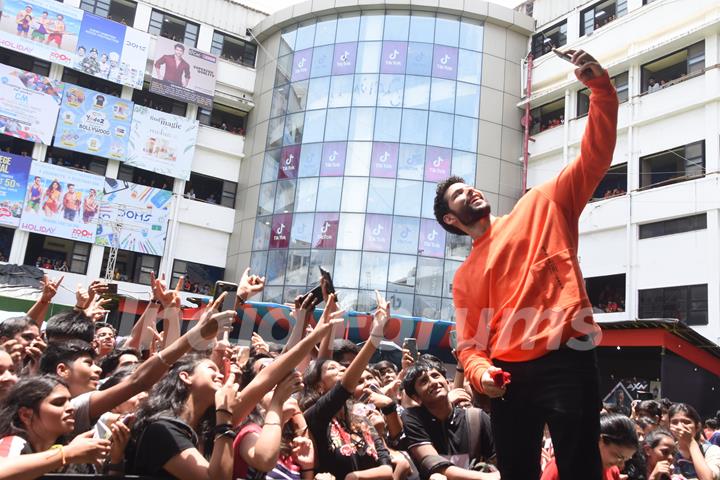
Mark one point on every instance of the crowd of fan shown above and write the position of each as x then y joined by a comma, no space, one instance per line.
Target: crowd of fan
77,398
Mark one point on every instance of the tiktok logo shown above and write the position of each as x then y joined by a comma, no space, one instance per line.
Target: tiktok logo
280,229
438,161
394,54
444,60
333,156
325,227
301,63
378,230
345,56
405,232
432,235
289,159
384,157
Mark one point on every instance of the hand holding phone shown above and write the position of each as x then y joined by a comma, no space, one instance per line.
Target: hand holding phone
231,289
410,344
565,56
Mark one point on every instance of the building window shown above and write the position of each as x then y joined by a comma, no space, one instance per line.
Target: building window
158,102
672,166
24,62
174,28
131,266
199,278
676,225
606,293
77,160
613,184
233,49
224,118
15,145
121,11
211,190
645,2
6,239
57,254
673,68
553,37
621,87
93,83
145,177
688,303
601,14
547,116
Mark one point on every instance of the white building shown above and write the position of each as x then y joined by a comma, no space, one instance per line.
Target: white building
202,216
650,239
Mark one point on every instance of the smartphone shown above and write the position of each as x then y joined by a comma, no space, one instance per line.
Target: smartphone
227,367
453,339
562,55
317,291
112,288
410,344
102,430
231,289
128,419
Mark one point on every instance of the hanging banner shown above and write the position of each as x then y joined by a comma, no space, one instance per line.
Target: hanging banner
133,217
29,104
44,29
183,73
14,171
93,122
110,50
162,142
61,202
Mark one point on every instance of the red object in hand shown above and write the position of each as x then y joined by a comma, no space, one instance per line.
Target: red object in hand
501,378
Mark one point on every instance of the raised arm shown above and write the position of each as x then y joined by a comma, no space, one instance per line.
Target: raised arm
575,184
39,309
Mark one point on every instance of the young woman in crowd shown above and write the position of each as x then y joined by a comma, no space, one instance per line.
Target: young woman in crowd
190,414
8,377
347,446
36,412
696,458
659,453
618,443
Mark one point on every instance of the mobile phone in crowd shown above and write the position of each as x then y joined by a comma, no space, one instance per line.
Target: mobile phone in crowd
410,344
453,339
102,430
231,289
565,56
112,288
317,291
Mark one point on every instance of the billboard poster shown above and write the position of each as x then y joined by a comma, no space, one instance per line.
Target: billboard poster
183,73
44,29
29,104
161,142
61,202
14,171
112,51
143,213
377,232
93,122
445,61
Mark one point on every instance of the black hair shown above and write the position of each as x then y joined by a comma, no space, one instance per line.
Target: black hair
248,370
311,379
665,403
111,361
179,45
618,429
342,346
99,325
417,370
654,438
28,392
65,352
434,361
441,207
385,365
118,376
711,423
70,325
690,412
645,422
650,408
14,325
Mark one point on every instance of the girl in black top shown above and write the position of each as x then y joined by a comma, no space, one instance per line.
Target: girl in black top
347,446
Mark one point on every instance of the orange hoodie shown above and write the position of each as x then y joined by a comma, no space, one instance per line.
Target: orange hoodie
520,292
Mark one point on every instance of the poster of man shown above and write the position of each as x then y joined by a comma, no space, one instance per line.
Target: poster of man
183,72
61,202
13,181
42,28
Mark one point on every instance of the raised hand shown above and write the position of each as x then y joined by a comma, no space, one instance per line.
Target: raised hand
118,441
34,351
303,452
49,288
259,345
86,449
291,384
249,285
227,397
211,322
588,67
380,318
167,297
96,311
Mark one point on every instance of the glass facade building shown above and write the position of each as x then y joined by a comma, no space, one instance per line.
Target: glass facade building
368,112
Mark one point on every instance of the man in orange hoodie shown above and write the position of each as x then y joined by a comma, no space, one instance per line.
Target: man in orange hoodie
521,305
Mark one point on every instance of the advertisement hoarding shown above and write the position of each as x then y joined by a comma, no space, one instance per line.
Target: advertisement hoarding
161,142
61,202
29,104
142,213
94,123
183,73
13,182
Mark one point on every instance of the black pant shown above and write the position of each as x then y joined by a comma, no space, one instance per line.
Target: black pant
561,390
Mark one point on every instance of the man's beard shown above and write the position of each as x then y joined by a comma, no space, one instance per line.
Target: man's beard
469,215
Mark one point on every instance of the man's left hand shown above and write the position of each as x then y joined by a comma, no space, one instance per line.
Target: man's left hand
588,67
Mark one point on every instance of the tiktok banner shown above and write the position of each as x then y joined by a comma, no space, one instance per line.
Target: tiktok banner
333,159
377,232
437,164
394,55
280,230
301,65
326,230
289,162
432,239
344,58
445,60
384,160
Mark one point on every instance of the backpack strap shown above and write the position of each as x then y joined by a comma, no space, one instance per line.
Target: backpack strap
473,424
